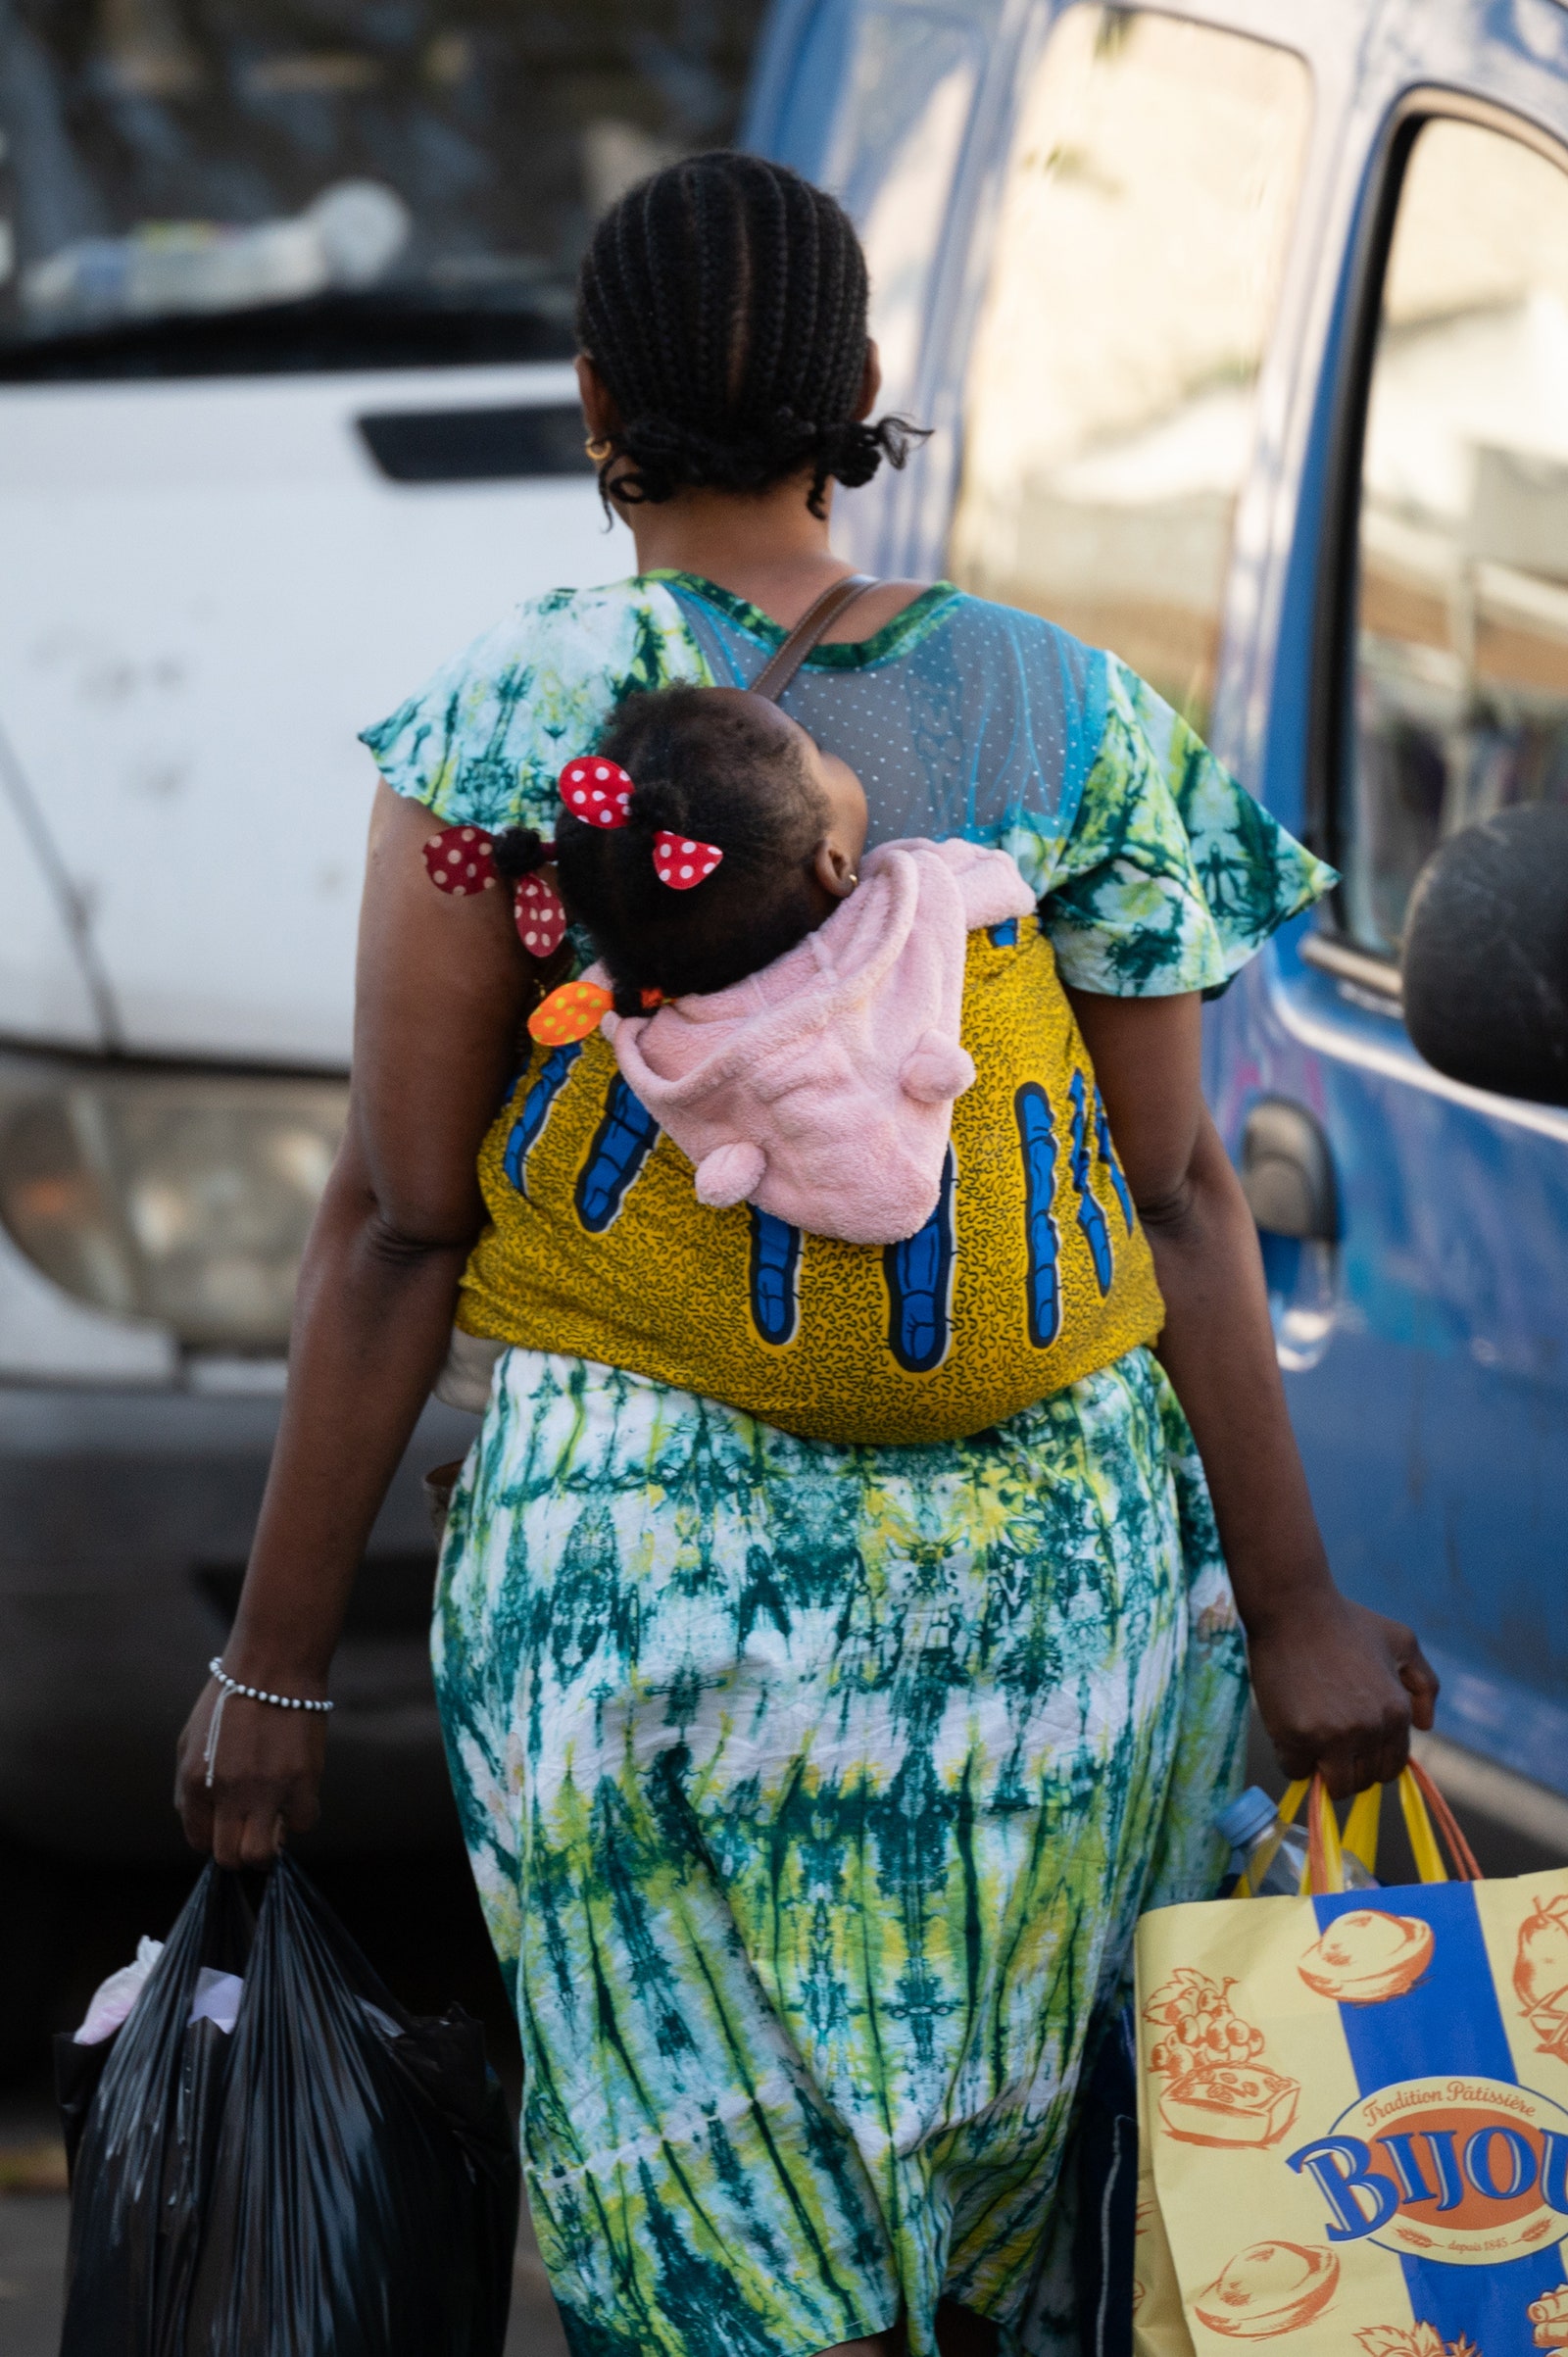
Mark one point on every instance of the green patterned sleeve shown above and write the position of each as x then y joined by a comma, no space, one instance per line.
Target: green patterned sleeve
484,743
1173,874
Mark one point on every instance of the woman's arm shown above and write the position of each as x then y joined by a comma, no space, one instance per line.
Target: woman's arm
1338,1686
441,988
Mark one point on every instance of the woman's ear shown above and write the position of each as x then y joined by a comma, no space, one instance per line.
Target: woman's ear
870,381
600,413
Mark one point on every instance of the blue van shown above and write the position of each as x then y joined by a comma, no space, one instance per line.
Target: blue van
1242,327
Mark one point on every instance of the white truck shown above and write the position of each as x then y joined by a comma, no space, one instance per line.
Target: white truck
287,415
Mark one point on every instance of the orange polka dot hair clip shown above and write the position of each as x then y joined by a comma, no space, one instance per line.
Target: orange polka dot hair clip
576,1009
569,1013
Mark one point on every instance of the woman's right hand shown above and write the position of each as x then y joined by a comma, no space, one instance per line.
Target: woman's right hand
443,985
266,1777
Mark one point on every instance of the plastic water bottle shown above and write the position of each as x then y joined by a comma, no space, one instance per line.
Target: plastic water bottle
1273,1856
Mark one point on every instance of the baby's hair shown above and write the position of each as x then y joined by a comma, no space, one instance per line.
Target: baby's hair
704,766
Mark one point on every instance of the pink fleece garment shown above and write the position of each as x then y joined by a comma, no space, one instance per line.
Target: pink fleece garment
821,1088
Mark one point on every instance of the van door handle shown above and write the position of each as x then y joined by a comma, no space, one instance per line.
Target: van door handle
1288,1171
476,445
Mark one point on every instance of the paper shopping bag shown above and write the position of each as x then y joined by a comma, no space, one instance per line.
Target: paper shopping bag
1353,2117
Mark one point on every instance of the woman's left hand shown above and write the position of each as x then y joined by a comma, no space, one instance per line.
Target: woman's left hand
1338,1689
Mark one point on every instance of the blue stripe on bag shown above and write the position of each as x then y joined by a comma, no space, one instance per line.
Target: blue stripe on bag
1448,2023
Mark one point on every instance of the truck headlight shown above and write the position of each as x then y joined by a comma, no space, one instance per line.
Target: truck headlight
178,1195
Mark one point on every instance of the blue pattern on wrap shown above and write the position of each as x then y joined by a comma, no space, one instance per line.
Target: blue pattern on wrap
1091,1218
622,1146
1037,1142
1107,1155
775,1278
534,1112
1448,2023
918,1274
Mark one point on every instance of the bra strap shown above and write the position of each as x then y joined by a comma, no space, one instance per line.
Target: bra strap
781,669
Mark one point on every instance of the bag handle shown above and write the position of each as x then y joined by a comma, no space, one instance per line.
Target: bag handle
1421,1803
781,669
1415,1786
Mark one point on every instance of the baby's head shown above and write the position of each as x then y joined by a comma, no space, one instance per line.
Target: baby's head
719,767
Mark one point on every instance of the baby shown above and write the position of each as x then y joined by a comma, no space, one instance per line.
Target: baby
787,1008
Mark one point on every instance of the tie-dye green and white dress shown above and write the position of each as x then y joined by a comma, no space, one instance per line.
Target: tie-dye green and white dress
812,1791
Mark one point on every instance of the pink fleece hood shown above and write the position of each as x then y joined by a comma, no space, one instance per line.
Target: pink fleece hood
821,1088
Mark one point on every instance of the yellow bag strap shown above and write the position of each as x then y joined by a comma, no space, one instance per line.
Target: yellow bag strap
1326,1844
1418,1825
1325,1860
1360,1835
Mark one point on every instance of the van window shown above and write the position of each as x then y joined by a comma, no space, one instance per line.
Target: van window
201,189
1110,415
908,91
1460,672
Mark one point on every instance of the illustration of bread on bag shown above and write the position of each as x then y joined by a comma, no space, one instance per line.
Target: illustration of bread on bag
1541,1975
1268,2289
1366,1957
1217,2089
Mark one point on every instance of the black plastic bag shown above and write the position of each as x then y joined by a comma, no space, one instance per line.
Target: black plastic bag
332,2178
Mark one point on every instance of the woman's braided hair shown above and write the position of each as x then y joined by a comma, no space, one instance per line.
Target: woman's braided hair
723,302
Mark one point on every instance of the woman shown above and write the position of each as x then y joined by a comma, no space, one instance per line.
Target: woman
812,1792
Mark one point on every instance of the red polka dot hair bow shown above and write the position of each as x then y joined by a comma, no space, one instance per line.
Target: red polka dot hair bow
680,864
600,794
597,792
458,861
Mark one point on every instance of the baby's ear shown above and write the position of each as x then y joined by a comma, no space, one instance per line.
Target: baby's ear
729,1174
832,868
936,1069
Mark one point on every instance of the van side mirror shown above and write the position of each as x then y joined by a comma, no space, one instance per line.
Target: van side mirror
1486,954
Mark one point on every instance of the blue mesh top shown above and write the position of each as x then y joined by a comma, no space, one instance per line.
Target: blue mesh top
1156,872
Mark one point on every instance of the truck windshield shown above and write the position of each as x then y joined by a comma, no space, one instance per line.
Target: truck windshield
199,187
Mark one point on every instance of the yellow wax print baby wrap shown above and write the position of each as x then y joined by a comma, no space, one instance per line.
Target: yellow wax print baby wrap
1031,1271
1354,2123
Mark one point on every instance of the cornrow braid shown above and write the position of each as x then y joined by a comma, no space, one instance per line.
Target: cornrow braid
723,302
714,275
769,342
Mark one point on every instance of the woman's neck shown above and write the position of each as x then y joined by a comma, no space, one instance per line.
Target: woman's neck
768,547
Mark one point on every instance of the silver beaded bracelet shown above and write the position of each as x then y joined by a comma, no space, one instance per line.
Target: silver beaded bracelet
252,1693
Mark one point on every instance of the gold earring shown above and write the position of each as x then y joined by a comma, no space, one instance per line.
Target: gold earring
852,880
598,447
